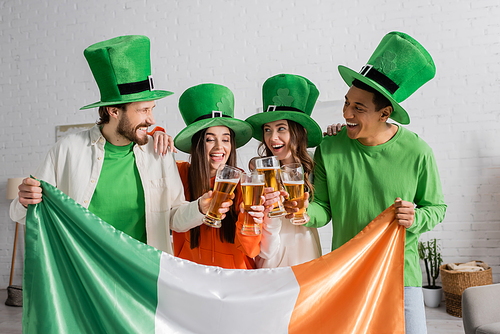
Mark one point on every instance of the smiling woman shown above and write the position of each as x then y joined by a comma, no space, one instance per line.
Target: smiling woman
211,137
277,140
286,130
219,146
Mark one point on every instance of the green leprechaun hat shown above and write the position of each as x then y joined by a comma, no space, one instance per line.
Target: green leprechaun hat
399,66
208,105
290,97
122,69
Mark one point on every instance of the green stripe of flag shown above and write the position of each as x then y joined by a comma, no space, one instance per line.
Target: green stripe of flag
80,277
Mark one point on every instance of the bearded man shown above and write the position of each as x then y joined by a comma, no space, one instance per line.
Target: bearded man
112,169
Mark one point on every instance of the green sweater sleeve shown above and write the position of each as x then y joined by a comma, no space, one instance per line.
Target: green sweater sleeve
319,210
429,199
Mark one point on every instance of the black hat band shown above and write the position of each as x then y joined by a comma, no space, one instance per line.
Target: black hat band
214,114
136,87
369,72
280,108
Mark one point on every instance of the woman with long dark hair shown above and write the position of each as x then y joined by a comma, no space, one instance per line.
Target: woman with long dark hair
211,137
286,130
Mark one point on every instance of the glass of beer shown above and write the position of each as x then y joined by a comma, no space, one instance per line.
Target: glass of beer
226,180
252,187
293,179
270,168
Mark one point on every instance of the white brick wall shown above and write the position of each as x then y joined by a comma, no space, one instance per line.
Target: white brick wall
44,80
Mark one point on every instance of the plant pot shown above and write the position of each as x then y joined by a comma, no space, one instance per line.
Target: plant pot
432,295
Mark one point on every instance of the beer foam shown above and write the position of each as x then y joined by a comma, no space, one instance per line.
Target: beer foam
228,180
252,184
293,182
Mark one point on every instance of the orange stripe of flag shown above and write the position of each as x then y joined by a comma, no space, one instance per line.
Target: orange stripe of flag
357,288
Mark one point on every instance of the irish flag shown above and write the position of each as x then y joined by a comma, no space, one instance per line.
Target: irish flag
83,276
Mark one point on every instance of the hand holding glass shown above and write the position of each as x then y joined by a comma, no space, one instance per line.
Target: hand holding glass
226,180
252,186
270,168
293,179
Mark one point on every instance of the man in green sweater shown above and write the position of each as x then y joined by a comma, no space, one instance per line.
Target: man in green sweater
372,164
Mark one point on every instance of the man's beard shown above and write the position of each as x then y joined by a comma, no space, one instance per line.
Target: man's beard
125,129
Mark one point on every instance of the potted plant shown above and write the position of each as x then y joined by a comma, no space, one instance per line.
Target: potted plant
429,251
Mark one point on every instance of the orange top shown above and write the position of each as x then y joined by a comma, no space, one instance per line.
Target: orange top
212,251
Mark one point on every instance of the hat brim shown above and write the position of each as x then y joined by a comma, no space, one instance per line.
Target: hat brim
314,133
242,130
138,97
398,114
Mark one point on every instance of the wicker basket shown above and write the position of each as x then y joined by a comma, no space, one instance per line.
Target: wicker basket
455,282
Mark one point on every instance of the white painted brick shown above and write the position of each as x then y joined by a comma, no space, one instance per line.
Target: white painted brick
44,79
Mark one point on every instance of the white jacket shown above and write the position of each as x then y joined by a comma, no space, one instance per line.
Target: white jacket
74,164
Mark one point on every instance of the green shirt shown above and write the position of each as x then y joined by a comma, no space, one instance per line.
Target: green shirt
119,197
354,183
